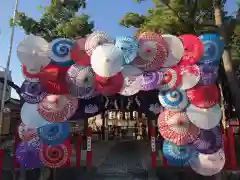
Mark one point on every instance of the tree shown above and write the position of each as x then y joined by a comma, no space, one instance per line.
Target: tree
195,17
174,17
59,19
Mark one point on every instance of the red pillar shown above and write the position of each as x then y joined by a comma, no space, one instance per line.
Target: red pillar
89,148
68,144
232,153
226,147
78,141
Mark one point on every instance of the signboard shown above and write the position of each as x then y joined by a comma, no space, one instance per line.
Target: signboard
89,143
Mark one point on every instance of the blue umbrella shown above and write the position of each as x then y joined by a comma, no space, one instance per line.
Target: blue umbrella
32,92
27,154
53,134
213,49
175,100
129,47
209,141
177,155
61,52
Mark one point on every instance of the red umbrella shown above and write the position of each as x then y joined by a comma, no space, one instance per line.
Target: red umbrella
78,53
57,108
204,96
176,127
109,86
153,50
52,78
193,49
55,156
28,76
171,78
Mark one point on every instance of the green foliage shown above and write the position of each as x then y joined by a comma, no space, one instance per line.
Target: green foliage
176,17
59,19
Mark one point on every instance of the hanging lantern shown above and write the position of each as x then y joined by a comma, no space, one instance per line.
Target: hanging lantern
135,115
127,115
119,115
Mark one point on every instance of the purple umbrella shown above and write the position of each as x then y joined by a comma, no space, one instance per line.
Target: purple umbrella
32,92
27,154
150,80
209,74
208,141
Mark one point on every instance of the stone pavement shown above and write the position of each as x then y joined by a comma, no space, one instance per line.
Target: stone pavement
112,160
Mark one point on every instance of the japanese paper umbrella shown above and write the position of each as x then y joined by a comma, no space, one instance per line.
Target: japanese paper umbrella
177,155
29,77
107,60
171,79
190,76
78,53
129,46
28,156
204,96
152,49
193,49
176,127
57,108
176,50
204,118
80,80
61,52
55,156
150,80
53,134
34,52
109,86
32,92
175,100
95,39
208,164
26,133
132,80
209,74
213,48
53,79
209,141
30,116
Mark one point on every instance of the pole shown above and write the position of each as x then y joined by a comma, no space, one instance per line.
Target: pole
8,65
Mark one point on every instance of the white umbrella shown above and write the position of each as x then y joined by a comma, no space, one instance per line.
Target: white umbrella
95,39
175,50
30,116
34,53
132,80
204,118
208,164
107,60
190,76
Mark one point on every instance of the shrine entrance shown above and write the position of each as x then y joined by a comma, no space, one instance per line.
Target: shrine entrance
121,149
126,159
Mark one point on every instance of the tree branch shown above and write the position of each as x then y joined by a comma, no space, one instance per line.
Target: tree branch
175,12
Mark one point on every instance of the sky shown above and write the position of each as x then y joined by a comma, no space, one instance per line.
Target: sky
105,13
